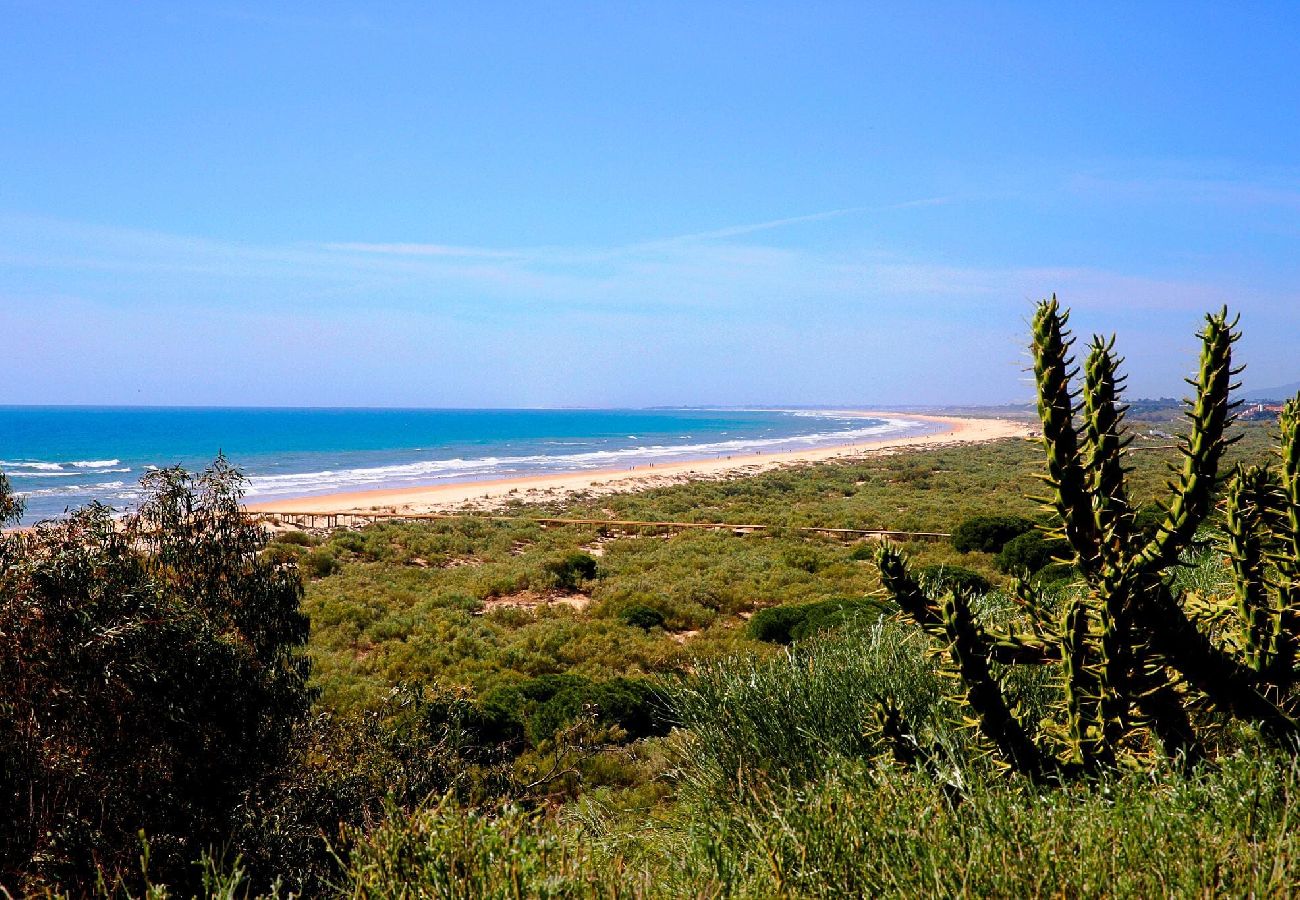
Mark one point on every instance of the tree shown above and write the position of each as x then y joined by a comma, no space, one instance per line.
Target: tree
151,675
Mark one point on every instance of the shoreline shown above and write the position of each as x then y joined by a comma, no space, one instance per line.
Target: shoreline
484,496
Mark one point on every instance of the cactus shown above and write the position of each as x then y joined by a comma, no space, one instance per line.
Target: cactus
1133,662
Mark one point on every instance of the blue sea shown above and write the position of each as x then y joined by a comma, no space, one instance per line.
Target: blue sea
63,457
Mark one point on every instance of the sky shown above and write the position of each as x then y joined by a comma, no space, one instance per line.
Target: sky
632,204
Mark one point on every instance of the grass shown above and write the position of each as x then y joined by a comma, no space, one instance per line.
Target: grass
777,778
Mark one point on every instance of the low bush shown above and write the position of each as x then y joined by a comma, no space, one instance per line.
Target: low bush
320,563
865,551
773,625
1029,553
643,617
536,709
786,624
297,538
989,534
278,553
941,578
570,570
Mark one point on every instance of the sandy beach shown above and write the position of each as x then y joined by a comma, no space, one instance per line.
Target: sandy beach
490,495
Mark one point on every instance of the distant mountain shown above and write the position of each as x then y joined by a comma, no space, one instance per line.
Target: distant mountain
1282,392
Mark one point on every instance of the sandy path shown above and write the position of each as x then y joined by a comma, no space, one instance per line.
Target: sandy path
488,495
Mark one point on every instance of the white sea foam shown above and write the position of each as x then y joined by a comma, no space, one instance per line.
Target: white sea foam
30,466
10,465
500,466
72,490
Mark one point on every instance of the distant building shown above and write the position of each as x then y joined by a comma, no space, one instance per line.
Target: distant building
1260,412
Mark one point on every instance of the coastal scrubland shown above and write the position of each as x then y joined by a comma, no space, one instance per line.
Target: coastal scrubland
490,707
502,709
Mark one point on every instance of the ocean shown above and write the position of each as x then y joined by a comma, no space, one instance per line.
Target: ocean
63,457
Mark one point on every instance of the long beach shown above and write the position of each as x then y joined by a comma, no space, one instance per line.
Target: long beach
492,494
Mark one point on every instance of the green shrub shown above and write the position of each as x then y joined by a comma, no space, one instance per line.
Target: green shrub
864,551
320,562
454,851
1029,553
297,538
792,713
283,554
569,570
774,624
803,557
643,617
351,541
150,678
786,624
941,578
538,708
989,534
1147,520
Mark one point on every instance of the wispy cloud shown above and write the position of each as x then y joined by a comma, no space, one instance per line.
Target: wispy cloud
738,230
434,250
750,317
589,254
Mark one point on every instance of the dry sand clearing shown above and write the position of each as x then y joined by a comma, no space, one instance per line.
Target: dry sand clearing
488,495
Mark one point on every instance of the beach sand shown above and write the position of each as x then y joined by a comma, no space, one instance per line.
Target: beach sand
486,496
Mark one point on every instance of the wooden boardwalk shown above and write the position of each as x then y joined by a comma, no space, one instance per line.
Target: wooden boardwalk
331,521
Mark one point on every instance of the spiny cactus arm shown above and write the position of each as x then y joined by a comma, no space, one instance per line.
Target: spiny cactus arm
898,580
1117,656
1245,521
969,649
1065,470
1086,736
1210,413
892,731
1287,526
1227,683
1005,647
1160,704
1011,649
1104,464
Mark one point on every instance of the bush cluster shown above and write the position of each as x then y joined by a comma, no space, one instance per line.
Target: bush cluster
787,624
989,534
534,711
150,678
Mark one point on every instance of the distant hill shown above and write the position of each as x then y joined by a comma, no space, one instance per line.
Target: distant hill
1282,392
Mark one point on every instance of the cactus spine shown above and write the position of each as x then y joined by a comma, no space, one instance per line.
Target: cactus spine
1133,663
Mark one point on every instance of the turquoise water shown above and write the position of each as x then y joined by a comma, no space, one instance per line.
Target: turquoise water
62,457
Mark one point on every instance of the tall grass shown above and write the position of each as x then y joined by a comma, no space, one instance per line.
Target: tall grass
793,713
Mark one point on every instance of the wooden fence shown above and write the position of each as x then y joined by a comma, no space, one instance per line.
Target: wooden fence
330,521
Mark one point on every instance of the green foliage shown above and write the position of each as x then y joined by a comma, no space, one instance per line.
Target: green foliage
1133,657
785,624
862,832
864,551
540,707
11,505
320,562
296,538
798,710
643,617
940,578
989,534
571,569
150,678
1029,553
447,850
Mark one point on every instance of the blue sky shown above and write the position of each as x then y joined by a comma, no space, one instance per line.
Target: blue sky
617,204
